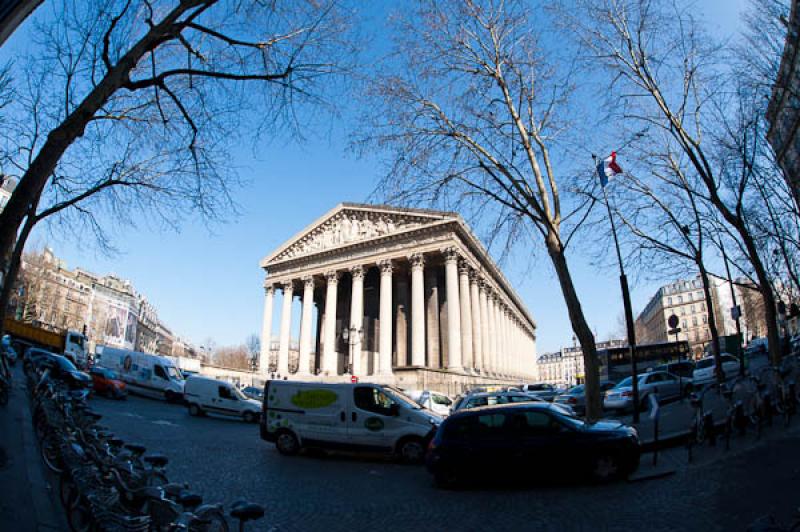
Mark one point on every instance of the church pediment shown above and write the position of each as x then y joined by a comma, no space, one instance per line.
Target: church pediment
349,224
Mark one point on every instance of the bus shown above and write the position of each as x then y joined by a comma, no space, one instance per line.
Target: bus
615,362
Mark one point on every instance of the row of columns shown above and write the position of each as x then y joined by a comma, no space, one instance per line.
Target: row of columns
483,334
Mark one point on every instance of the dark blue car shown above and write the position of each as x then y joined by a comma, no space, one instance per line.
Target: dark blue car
534,441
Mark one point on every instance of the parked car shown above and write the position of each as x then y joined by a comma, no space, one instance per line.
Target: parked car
681,369
253,392
345,416
205,395
532,441
665,385
438,402
544,390
62,369
494,398
575,397
106,382
704,372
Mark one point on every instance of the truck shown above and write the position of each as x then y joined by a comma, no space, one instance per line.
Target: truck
71,344
144,374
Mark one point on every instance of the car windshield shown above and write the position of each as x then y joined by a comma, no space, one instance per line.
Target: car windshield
627,381
239,395
705,363
65,364
400,397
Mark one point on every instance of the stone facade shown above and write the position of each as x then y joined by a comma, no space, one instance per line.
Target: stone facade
403,296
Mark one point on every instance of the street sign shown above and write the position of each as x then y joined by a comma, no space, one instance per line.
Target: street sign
736,312
354,379
673,321
676,330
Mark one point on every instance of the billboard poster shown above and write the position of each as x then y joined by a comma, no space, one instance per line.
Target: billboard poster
120,327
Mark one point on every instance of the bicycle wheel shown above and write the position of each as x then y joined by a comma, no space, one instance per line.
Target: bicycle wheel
51,454
214,520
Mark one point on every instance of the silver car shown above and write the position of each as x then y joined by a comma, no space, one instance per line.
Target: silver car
665,385
575,397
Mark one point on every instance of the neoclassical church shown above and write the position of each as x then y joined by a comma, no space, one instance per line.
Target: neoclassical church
402,296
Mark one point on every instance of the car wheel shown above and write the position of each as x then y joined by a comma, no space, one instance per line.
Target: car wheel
606,467
411,450
194,410
249,417
287,443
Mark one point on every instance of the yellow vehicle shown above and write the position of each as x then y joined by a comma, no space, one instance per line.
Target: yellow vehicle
71,344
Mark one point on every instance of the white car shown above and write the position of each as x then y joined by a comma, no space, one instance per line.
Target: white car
704,369
664,385
438,402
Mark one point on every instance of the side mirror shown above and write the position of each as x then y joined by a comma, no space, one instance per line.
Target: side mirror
394,410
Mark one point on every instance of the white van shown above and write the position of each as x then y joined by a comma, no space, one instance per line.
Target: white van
206,395
145,374
369,417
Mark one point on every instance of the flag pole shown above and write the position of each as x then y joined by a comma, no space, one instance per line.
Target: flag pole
626,301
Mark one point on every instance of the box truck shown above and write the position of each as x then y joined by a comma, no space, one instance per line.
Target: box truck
71,344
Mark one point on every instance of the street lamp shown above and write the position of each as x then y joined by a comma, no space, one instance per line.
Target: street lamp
352,336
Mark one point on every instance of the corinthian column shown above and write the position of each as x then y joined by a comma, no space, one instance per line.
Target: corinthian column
305,326
466,315
385,317
286,328
329,362
417,310
486,360
356,318
266,329
474,299
453,309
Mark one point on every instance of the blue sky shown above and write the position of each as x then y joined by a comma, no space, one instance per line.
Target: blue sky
207,284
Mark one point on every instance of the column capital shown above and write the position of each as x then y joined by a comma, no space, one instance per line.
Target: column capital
463,267
417,260
308,281
332,277
386,266
451,254
357,272
474,277
287,286
269,288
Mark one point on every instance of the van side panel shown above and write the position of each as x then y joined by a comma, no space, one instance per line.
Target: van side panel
315,412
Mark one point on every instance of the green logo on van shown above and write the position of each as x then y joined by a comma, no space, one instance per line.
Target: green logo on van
310,399
373,424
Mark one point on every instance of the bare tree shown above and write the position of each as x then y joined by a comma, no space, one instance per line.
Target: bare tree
234,357
131,105
668,75
470,113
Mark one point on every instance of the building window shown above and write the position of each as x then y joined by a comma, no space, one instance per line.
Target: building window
683,323
669,300
694,321
705,319
683,311
680,299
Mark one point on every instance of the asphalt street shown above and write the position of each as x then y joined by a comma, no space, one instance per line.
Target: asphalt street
225,460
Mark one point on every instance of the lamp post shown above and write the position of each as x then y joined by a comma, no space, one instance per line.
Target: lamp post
352,335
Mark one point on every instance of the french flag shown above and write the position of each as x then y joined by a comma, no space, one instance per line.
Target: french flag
608,168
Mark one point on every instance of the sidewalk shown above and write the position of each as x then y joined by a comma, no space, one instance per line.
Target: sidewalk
30,499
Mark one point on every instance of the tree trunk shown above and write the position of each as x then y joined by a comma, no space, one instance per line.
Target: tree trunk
712,323
579,326
13,270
